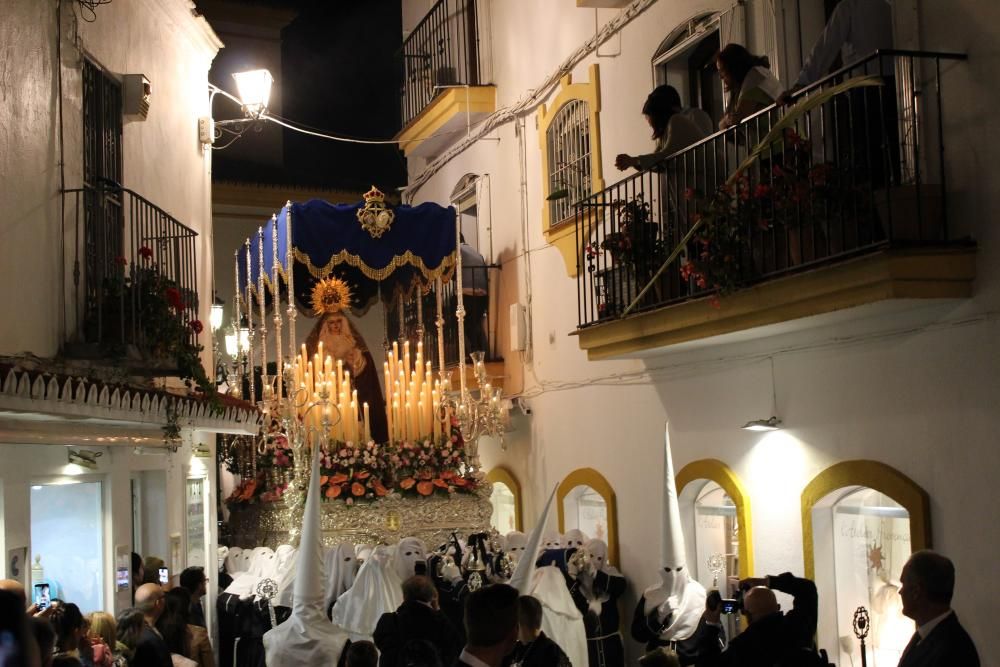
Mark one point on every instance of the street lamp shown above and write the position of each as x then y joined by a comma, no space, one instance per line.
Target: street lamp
255,91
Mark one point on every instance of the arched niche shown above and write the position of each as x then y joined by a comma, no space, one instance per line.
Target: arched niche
581,489
692,482
505,498
860,522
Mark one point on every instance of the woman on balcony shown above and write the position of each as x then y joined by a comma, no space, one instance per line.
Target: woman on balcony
749,82
674,128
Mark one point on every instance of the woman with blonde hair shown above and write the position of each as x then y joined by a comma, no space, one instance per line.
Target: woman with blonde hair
104,631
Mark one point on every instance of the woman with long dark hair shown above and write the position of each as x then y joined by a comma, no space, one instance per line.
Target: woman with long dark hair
674,128
71,629
749,82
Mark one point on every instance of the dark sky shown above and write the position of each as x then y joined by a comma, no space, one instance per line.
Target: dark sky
339,75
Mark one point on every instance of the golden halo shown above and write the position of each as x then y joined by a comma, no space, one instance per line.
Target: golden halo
331,295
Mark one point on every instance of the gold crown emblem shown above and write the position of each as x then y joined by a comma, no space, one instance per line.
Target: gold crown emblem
330,295
374,195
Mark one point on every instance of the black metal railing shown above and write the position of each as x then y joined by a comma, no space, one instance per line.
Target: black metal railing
442,52
478,287
132,263
861,170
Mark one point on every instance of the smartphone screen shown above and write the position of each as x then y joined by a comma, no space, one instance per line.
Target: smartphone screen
164,575
42,598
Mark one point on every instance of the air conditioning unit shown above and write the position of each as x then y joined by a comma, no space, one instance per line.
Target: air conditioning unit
136,91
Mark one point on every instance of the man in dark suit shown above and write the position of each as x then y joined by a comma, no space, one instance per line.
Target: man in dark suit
772,637
491,626
151,650
417,618
928,580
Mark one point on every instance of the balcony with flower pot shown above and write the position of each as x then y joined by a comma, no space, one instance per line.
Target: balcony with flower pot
832,209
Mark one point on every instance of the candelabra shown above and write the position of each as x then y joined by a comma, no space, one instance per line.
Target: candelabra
483,414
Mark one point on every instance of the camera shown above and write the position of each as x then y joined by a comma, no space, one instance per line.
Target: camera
731,606
164,576
725,605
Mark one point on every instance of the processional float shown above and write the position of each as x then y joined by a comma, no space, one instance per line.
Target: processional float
406,462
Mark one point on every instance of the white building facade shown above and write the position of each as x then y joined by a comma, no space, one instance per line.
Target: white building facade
897,402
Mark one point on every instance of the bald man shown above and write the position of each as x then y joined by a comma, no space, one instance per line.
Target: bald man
772,637
14,586
151,650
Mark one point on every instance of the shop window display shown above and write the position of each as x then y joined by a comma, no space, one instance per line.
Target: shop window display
67,533
504,517
866,538
585,509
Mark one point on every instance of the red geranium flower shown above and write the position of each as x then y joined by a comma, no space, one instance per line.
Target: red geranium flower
196,326
173,297
146,253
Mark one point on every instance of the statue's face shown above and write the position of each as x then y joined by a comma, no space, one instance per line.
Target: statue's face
598,551
334,325
574,538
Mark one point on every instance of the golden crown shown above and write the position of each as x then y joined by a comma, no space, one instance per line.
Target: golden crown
374,195
331,295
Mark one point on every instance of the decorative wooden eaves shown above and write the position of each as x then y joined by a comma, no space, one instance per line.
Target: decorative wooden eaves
58,398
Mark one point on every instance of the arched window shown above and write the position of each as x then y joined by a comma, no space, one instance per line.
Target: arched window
569,136
715,510
860,522
586,501
506,501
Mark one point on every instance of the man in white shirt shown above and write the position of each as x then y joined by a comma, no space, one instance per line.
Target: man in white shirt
856,29
928,580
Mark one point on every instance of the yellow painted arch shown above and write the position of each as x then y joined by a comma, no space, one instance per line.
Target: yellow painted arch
718,472
874,475
596,481
506,477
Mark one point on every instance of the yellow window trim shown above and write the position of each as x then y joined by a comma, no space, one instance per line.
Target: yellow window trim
874,475
716,471
596,481
506,477
562,233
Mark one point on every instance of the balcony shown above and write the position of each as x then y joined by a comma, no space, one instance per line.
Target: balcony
443,91
843,205
410,312
134,281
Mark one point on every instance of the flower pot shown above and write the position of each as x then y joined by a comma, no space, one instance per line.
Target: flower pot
616,288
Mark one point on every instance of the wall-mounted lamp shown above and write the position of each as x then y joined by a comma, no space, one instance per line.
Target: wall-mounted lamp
254,88
84,458
232,345
215,315
255,91
772,423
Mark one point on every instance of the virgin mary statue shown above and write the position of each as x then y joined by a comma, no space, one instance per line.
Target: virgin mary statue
341,340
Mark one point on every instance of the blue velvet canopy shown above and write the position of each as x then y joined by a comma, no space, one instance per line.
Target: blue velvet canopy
329,240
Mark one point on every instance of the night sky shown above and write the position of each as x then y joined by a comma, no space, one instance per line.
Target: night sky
340,74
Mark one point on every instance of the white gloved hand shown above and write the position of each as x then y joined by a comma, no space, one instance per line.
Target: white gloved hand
668,607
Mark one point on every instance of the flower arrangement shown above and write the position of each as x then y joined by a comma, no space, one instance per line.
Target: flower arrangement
160,310
355,472
636,244
795,192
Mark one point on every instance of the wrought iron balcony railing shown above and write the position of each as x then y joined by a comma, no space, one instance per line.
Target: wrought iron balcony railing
441,52
854,171
134,271
406,315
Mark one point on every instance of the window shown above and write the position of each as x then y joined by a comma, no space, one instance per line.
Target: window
586,501
861,521
568,141
102,126
686,61
505,499
569,136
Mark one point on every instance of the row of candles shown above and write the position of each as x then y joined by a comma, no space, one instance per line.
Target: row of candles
412,396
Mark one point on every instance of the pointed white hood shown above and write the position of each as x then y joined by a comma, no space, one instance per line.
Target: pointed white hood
525,569
677,590
307,637
562,622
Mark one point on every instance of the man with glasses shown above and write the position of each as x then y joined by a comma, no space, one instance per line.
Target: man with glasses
151,650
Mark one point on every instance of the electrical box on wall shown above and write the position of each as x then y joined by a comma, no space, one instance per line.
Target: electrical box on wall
206,130
518,328
136,91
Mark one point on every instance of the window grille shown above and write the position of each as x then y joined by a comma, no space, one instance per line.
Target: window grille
568,140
